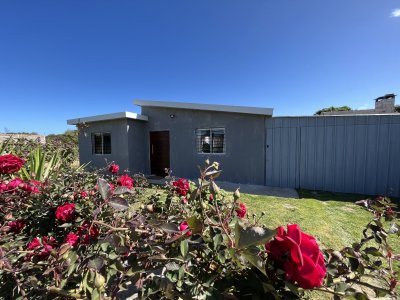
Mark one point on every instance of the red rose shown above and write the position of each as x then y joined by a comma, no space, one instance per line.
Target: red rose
3,187
66,212
72,239
181,186
114,168
35,243
299,256
84,194
241,210
32,187
48,243
183,226
46,246
393,283
14,184
125,180
16,226
88,232
10,164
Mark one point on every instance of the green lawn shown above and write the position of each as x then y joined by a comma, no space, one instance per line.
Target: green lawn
335,221
332,218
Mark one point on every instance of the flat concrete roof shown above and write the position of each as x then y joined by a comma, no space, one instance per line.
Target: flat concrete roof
114,116
327,116
210,107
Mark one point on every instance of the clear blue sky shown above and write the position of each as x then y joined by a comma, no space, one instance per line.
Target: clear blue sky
66,59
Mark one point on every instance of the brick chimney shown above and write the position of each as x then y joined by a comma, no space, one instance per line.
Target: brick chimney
385,104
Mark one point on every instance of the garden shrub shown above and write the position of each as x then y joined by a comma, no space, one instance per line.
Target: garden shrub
77,235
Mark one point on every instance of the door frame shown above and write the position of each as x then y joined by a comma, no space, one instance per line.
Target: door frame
150,148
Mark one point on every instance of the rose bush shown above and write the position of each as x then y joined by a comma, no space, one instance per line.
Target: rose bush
114,168
241,210
66,212
126,181
109,243
299,256
10,163
181,186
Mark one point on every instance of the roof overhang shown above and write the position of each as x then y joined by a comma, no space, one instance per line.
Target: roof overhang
210,107
106,117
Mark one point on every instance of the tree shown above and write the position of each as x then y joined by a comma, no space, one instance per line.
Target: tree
69,136
332,108
397,108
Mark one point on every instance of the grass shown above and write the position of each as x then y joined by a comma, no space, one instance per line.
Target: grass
332,218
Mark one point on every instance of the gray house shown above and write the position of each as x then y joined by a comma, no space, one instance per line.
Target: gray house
349,153
179,136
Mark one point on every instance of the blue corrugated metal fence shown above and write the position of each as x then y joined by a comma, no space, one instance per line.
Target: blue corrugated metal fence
353,154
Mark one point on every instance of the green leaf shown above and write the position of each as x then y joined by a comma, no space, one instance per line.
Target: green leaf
122,190
118,203
194,195
373,251
214,173
255,235
184,247
159,257
217,239
169,228
104,188
341,287
65,225
214,189
181,272
252,257
172,266
195,224
236,194
96,294
96,263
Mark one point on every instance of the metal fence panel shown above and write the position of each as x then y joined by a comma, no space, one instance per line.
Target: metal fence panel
353,154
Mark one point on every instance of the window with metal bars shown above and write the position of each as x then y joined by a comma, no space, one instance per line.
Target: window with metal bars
101,143
210,140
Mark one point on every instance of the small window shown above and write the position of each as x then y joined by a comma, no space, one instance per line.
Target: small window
210,140
101,143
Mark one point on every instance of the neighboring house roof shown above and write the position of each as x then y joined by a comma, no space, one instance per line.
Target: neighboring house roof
114,116
211,107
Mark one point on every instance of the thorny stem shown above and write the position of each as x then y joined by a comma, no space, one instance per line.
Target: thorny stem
371,286
62,292
199,195
12,271
222,223
109,226
326,290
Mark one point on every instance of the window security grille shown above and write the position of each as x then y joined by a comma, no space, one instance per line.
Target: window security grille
101,143
210,140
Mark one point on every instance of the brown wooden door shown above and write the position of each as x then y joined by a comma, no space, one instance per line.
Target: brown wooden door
159,152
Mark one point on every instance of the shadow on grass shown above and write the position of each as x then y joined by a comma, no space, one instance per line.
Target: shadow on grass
342,197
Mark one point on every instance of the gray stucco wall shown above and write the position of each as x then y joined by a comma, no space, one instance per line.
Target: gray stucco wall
138,150
243,161
353,154
126,139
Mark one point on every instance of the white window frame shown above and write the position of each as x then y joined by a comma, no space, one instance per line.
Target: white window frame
102,143
211,129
